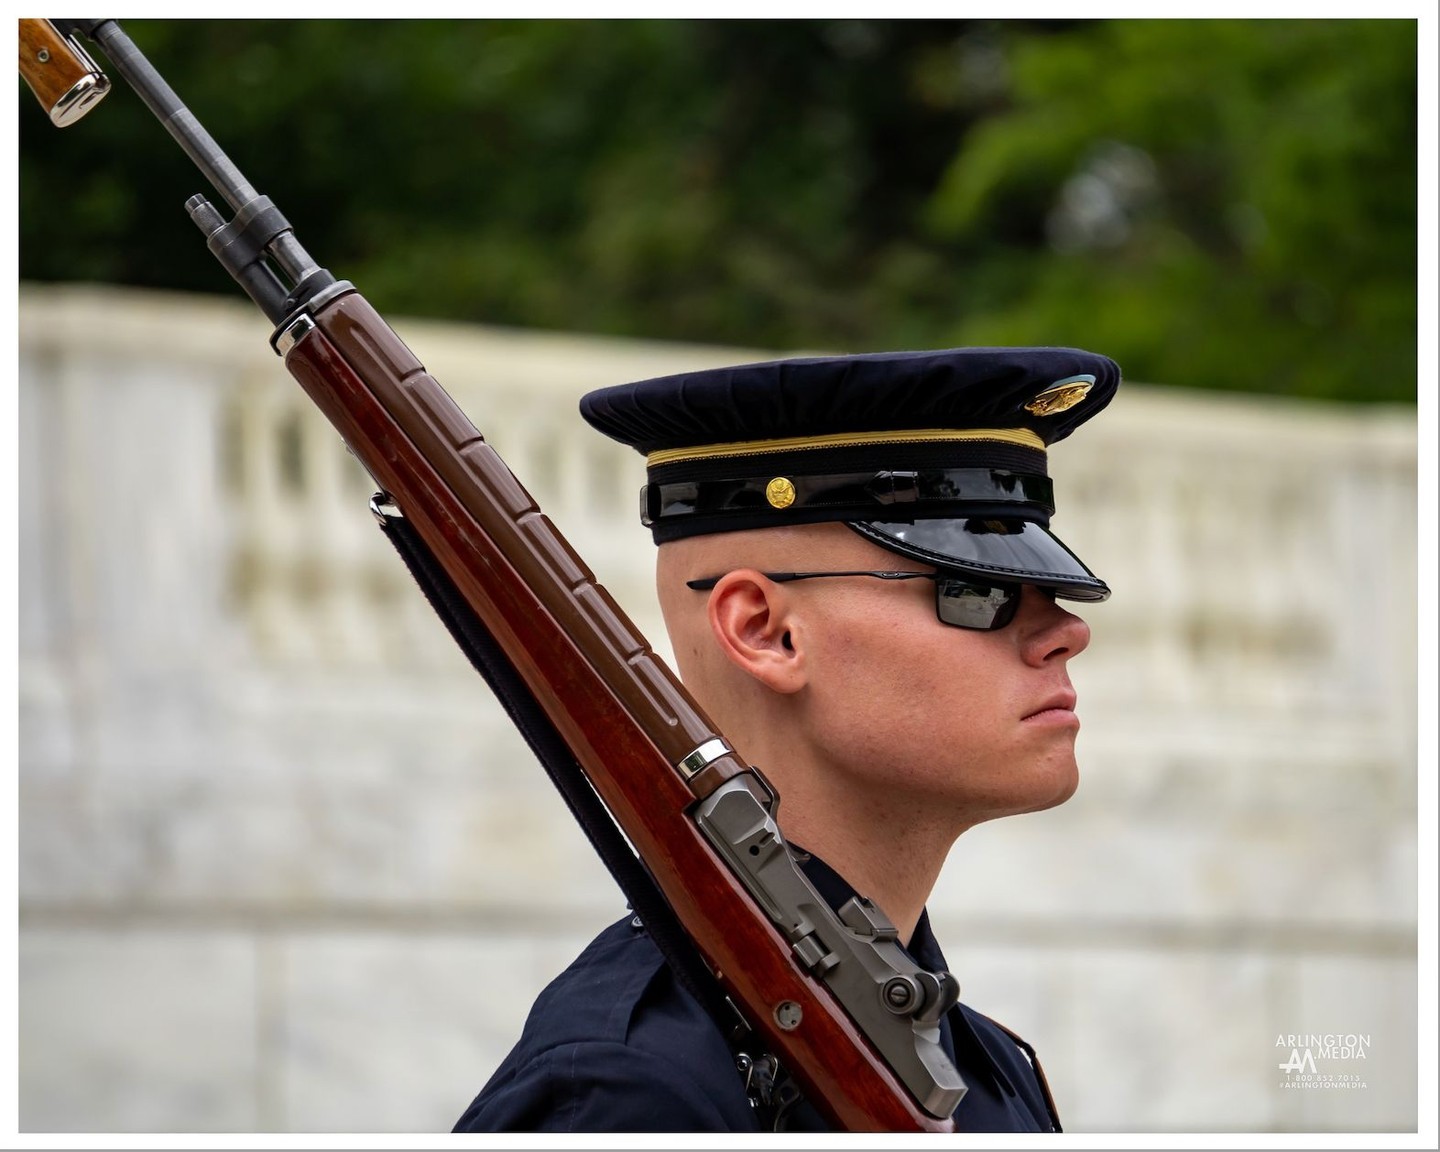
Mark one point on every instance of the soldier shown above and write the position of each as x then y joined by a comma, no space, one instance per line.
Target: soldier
861,589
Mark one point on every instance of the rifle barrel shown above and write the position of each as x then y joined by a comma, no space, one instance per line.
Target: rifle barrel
197,143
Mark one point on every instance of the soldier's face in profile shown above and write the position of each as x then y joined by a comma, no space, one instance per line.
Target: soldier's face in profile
977,724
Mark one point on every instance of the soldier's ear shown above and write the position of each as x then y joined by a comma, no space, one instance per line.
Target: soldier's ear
754,622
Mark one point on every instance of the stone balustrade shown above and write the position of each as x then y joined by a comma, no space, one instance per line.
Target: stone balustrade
284,866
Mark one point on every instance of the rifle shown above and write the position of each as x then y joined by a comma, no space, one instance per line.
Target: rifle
832,997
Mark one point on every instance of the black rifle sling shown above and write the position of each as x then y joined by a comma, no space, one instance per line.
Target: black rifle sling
525,712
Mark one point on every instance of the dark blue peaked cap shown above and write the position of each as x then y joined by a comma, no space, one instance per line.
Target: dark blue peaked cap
938,456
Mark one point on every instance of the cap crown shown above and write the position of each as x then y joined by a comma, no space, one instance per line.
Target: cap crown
939,456
960,388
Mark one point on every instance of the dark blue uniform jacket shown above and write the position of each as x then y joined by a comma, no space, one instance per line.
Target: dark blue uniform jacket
615,1045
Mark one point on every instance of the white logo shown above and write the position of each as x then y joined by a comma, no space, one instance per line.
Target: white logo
1340,1051
1300,1061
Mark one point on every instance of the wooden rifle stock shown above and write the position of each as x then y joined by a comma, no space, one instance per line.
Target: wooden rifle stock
621,710
626,718
59,72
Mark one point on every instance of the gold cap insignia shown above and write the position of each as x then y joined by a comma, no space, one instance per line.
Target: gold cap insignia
1060,396
780,492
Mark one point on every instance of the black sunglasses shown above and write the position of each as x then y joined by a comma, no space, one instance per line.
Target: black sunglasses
959,601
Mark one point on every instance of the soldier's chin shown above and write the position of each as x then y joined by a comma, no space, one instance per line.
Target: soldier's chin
1065,783
1056,790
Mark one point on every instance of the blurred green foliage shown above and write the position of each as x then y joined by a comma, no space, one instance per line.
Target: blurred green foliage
1215,203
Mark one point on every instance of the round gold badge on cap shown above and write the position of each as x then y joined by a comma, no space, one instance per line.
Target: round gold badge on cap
780,492
1058,397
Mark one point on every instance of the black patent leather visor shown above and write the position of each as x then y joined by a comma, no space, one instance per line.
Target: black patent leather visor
1006,550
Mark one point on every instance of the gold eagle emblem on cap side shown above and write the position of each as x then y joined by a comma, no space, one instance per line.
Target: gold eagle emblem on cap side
1059,397
780,492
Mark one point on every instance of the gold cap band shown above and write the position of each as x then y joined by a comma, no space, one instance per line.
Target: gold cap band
1021,436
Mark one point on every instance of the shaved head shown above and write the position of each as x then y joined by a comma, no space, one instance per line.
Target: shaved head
805,546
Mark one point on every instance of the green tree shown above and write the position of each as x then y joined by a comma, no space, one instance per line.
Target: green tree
1221,204
1224,204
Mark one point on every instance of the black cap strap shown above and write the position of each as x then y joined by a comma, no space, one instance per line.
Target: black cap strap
985,491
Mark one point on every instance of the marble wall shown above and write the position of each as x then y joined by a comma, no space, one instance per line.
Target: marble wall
283,866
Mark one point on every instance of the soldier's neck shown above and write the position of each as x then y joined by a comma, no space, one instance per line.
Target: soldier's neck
896,868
